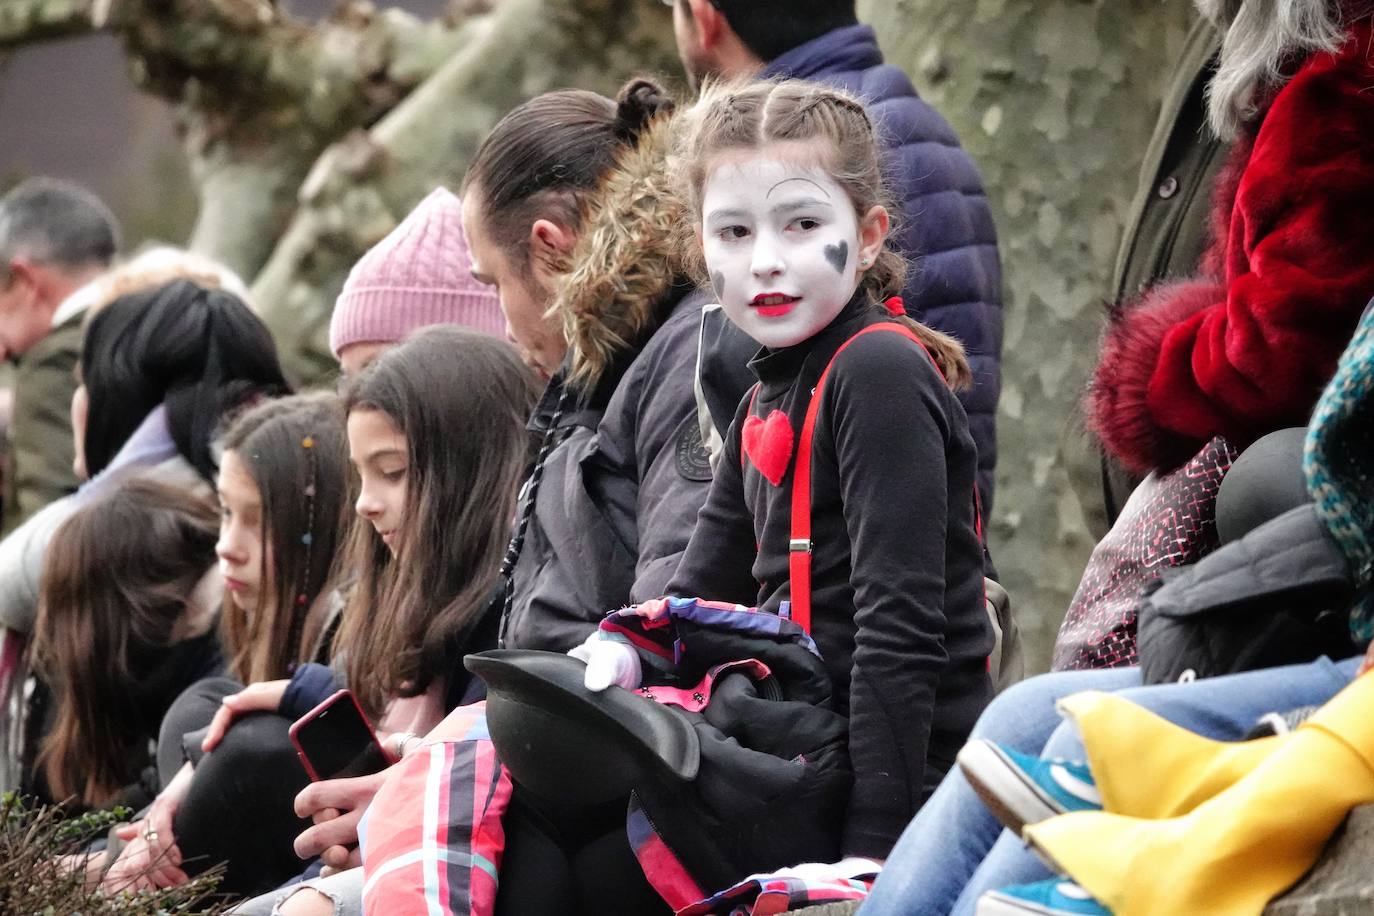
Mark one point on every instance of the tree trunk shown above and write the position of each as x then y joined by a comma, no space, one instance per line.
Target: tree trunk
26,21
363,185
1055,99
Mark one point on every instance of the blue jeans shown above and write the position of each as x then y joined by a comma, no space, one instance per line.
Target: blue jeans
955,851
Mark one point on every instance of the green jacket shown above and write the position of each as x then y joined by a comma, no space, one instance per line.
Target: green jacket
40,443
1169,224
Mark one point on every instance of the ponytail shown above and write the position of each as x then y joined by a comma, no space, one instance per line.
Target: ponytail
545,158
639,104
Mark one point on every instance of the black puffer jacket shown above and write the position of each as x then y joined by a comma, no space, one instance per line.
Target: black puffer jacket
1277,596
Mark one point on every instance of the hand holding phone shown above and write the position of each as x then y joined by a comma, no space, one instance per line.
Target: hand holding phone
335,741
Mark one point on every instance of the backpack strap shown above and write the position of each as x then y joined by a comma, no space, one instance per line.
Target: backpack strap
800,546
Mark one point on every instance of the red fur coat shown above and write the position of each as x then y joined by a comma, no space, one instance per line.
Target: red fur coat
1246,347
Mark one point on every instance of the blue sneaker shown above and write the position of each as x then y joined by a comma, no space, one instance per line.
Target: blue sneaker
1019,789
1054,897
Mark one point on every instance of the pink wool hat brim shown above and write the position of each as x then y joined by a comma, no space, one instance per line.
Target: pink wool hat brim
416,277
389,315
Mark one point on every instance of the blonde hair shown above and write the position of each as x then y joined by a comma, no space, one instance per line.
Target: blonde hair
752,115
159,266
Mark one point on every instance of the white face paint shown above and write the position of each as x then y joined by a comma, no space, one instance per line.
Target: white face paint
782,244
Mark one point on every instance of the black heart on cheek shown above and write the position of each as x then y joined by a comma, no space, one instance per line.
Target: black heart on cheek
718,282
838,255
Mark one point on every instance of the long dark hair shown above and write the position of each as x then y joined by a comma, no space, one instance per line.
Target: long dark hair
200,352
117,577
461,399
296,451
544,158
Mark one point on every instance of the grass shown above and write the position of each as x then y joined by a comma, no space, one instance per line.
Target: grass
44,853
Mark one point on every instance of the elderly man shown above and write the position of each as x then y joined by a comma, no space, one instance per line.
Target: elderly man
54,238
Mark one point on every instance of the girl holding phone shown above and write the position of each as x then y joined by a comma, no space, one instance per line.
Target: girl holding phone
436,434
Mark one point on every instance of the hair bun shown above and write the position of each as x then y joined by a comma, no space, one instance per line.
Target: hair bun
638,104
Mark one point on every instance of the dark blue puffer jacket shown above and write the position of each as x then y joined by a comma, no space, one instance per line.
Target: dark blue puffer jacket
946,229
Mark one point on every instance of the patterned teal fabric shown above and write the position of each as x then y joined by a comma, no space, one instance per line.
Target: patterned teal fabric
1338,460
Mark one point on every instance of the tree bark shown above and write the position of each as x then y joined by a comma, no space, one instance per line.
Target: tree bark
259,94
26,21
1055,99
260,99
365,184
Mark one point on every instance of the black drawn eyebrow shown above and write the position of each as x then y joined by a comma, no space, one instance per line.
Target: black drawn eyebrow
786,180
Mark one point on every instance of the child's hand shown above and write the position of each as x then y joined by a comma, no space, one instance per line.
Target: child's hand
262,696
608,662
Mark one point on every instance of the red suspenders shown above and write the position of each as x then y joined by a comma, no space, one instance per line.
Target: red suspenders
800,546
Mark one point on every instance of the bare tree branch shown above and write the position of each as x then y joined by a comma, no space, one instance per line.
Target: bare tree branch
364,185
26,21
261,95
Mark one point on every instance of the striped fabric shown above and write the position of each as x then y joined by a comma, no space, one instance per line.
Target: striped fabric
651,625
665,872
765,895
432,838
758,895
1336,460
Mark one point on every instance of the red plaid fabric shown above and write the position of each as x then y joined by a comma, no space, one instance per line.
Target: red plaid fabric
765,895
432,839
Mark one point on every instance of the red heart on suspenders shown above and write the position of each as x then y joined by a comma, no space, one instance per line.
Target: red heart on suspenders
768,444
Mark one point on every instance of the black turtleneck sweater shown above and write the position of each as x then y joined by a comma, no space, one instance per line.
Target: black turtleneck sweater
897,567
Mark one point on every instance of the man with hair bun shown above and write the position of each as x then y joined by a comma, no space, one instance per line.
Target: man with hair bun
944,224
55,237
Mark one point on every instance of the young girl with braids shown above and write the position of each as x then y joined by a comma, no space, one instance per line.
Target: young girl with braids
282,489
782,184
782,180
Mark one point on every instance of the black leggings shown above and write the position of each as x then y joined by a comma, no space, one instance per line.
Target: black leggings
240,806
565,863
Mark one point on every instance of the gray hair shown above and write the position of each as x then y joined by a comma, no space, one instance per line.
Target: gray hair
57,223
1261,36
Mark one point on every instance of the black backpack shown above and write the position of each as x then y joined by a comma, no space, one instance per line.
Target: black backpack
741,766
1278,596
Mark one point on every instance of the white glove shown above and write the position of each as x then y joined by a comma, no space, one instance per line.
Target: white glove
853,867
608,662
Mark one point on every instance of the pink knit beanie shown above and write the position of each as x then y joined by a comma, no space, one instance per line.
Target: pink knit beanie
417,276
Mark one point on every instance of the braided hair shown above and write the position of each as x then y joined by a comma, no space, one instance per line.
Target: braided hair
753,115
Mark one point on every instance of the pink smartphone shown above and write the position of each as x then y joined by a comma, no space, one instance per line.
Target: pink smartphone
335,741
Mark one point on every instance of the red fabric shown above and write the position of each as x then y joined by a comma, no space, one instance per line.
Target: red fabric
799,559
768,444
433,837
1246,347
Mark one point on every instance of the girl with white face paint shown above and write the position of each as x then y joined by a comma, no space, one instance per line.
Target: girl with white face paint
783,243
783,182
